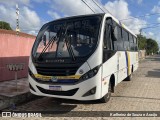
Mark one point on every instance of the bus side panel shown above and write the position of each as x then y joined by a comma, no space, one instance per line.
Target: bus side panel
119,65
123,64
134,61
109,68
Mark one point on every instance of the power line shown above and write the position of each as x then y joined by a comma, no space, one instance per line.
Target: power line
88,6
98,6
146,27
125,18
150,23
139,16
102,7
150,27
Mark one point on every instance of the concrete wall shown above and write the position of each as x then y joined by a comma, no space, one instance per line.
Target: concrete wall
142,54
14,49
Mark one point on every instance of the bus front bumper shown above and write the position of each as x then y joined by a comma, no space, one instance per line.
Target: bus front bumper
86,90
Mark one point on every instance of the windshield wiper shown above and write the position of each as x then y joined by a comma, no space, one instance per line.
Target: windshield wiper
46,47
51,41
70,50
61,36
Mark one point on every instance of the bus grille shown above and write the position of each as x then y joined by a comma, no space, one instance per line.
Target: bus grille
60,93
57,70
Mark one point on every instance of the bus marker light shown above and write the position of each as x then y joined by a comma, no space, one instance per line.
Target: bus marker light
92,91
81,71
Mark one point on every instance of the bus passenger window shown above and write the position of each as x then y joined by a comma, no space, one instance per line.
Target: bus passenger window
115,33
107,37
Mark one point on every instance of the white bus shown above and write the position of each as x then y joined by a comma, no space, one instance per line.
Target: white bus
82,57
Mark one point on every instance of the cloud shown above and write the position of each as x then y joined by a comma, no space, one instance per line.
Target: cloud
134,24
156,9
41,1
33,32
65,6
139,1
121,6
72,7
147,16
14,2
150,33
28,19
53,14
62,8
158,19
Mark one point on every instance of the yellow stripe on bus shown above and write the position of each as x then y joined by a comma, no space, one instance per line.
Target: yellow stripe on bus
57,77
129,61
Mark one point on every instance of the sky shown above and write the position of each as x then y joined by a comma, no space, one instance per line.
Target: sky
34,13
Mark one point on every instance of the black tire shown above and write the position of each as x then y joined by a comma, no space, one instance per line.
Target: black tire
129,78
107,97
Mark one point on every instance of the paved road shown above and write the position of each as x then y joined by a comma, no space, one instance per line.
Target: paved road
140,94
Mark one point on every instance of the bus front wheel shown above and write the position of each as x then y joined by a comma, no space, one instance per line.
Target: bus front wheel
107,97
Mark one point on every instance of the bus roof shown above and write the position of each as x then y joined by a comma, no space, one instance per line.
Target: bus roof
121,24
99,14
77,16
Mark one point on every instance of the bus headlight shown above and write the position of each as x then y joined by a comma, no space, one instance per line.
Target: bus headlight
90,73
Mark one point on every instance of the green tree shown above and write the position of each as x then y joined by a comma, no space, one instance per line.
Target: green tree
5,25
142,44
152,46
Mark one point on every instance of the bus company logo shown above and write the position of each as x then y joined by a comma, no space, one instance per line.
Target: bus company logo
54,79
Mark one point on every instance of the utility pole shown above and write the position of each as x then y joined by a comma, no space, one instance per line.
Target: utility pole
17,18
140,31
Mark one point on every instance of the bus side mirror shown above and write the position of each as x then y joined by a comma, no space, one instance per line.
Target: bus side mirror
44,40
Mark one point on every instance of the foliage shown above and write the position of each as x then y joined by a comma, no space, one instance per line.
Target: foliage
5,25
150,45
141,42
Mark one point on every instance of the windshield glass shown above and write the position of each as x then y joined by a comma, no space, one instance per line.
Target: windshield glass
69,38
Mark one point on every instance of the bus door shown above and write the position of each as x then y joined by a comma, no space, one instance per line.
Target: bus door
109,65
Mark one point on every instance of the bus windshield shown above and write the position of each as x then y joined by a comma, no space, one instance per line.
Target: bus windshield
67,38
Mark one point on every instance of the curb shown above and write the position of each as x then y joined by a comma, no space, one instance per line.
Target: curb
12,102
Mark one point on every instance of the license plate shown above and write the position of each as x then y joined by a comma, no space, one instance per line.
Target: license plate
56,88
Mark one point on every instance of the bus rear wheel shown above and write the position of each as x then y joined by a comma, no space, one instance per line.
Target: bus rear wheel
107,97
129,78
